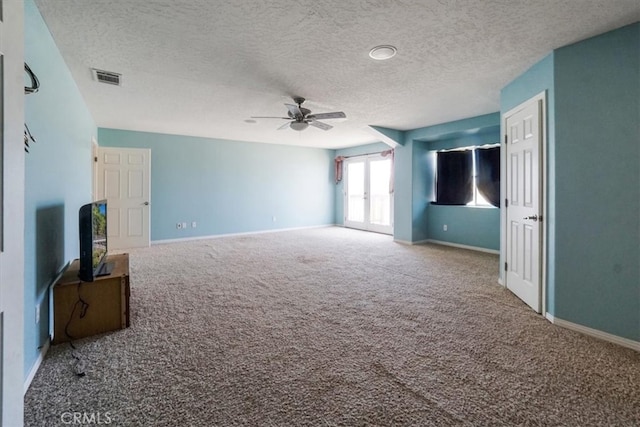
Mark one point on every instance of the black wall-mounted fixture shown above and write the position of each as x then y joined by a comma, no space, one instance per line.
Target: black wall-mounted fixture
35,83
28,90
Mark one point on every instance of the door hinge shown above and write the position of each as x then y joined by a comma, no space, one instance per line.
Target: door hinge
506,138
506,267
95,159
506,203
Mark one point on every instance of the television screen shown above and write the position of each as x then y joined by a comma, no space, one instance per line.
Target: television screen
99,233
93,241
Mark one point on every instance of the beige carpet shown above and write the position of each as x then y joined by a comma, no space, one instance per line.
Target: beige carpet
331,327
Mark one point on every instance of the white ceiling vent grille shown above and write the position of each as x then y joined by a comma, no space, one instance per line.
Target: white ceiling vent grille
107,77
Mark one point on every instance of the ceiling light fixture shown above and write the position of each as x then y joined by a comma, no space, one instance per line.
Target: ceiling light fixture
380,53
299,125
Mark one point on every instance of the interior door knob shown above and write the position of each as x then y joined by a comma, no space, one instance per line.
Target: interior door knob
146,203
532,217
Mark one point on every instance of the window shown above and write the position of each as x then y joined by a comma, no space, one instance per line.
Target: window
468,177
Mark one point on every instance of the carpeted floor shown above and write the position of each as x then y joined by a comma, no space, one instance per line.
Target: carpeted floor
331,327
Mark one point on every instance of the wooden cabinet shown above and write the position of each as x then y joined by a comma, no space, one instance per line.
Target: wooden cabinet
82,309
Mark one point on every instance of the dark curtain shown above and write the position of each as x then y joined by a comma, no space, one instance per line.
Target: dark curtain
338,161
488,170
454,178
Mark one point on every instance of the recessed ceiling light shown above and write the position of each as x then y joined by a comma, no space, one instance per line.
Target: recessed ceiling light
383,52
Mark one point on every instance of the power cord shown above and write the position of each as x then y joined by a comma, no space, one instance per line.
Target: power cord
78,365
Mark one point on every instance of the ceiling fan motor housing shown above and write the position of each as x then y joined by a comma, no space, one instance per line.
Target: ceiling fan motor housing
304,112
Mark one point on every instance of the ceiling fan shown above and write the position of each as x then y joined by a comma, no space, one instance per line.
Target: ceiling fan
300,118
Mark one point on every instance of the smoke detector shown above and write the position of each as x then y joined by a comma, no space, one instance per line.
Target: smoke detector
108,77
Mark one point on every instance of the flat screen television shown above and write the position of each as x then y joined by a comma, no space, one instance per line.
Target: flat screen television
93,241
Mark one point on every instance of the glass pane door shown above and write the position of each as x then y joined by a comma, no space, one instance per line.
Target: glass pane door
368,201
356,195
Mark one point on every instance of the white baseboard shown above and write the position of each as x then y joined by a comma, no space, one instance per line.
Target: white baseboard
45,347
457,245
406,242
36,365
605,336
248,233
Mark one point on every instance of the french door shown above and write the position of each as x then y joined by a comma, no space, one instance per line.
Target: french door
368,196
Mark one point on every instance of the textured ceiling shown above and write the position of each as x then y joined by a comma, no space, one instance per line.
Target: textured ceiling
203,67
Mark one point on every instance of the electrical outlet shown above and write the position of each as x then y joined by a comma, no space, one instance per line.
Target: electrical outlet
179,225
184,225
37,314
445,228
273,219
193,224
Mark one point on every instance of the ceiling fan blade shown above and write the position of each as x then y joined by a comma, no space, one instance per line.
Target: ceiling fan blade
320,125
284,126
294,110
322,116
270,117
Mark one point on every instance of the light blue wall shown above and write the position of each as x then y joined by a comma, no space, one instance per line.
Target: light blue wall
593,175
414,182
231,186
339,188
597,107
415,219
470,226
403,210
57,176
453,129
539,78
422,169
395,136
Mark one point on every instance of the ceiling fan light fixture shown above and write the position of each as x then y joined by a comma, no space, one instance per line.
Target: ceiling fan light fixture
380,53
299,118
299,125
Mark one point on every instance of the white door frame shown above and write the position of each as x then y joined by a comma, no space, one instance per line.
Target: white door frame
12,313
94,169
542,170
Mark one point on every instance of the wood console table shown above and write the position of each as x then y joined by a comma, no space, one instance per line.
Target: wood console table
90,308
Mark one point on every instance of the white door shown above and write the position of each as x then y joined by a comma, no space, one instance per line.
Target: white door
368,199
123,179
523,128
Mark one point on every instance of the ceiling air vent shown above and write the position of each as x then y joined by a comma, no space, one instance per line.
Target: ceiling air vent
107,77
